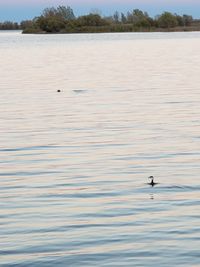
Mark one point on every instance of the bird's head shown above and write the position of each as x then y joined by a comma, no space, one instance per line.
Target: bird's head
151,178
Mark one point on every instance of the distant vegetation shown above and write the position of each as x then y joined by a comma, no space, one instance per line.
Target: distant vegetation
8,25
63,20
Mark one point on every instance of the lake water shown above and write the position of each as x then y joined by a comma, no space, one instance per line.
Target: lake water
75,164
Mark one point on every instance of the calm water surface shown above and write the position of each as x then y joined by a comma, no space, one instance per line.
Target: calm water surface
74,165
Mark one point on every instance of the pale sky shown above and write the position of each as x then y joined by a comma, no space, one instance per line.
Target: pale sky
17,10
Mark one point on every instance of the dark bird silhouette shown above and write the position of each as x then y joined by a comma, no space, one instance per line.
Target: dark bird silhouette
58,90
152,183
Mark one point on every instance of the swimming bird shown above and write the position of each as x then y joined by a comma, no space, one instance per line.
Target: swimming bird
152,183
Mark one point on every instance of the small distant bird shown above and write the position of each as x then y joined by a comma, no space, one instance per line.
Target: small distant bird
152,183
58,90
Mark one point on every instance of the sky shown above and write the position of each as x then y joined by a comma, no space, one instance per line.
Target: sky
18,10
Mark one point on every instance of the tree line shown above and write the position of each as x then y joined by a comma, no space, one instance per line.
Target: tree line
9,25
63,20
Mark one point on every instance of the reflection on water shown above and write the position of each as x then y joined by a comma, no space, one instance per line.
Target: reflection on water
75,164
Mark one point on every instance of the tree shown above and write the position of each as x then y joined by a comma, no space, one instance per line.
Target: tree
91,20
66,13
139,18
26,24
129,17
123,18
167,20
137,15
49,12
54,19
51,24
187,20
9,25
116,17
179,20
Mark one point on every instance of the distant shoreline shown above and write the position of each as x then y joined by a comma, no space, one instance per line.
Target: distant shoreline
152,30
185,29
62,20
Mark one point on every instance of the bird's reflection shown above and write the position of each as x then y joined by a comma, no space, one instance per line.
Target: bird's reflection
151,196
